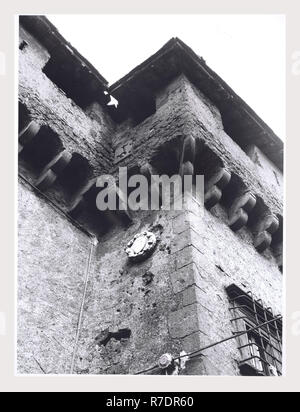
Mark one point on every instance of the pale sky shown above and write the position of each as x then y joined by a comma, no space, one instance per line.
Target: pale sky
248,52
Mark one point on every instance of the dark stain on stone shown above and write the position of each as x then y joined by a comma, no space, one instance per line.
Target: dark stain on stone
148,278
157,229
105,336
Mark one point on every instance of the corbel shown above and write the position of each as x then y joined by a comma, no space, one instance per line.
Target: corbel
122,213
53,170
188,156
240,209
123,210
266,227
215,185
80,201
148,171
27,134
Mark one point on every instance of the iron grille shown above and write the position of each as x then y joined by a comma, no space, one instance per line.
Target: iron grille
261,350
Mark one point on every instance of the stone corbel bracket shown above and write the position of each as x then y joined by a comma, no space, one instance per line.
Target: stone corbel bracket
214,187
240,209
148,171
81,201
91,190
53,170
268,225
27,134
188,157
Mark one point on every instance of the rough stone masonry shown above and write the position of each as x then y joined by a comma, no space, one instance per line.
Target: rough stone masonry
83,306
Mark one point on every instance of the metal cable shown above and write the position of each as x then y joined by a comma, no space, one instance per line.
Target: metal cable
198,352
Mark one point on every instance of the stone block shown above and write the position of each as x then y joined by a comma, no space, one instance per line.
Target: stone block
185,277
184,322
192,295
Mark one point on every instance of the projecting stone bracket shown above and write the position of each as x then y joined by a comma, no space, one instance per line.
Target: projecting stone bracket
240,209
188,157
215,186
27,134
265,231
80,202
268,225
148,171
53,170
89,194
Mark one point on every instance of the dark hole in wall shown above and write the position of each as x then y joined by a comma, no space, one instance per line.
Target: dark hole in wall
104,338
76,174
42,149
23,45
24,116
148,278
69,78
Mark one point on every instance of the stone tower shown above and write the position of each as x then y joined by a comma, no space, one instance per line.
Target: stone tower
84,307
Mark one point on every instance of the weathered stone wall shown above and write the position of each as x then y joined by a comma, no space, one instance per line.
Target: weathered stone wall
206,123
80,131
182,110
218,258
176,300
137,297
88,310
53,257
267,170
170,122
